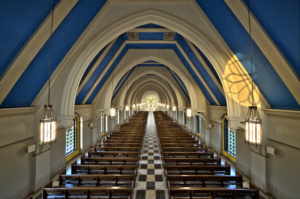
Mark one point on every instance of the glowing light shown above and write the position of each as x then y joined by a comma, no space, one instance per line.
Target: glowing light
189,112
112,112
174,108
253,131
133,106
167,106
47,125
127,108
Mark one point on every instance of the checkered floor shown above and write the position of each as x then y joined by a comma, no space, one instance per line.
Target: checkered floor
150,182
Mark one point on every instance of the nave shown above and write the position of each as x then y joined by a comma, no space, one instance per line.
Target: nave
150,157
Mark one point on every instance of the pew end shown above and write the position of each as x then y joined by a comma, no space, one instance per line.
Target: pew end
44,193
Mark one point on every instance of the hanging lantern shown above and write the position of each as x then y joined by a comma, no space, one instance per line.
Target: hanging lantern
174,108
253,133
48,119
127,108
189,112
47,125
112,112
167,106
163,105
133,106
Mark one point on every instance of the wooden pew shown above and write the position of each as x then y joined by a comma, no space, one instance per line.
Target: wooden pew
204,180
187,154
104,169
50,192
183,149
122,141
179,141
109,161
96,180
197,169
113,154
212,192
191,161
180,145
116,149
118,145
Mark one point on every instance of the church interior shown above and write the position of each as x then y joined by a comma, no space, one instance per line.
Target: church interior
79,76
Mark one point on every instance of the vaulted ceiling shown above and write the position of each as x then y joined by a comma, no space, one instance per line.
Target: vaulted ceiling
23,77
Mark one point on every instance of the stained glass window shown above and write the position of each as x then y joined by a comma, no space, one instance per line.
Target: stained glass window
71,138
229,140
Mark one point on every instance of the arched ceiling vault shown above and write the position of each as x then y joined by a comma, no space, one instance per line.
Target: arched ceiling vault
169,97
160,72
207,60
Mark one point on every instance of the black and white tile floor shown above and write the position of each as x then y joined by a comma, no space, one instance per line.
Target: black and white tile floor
150,182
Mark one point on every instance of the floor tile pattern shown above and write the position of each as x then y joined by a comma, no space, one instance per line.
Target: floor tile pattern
150,182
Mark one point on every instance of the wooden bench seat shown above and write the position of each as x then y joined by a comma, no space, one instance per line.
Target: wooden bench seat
187,154
204,180
119,145
125,138
109,161
122,141
176,138
197,169
81,192
113,154
191,161
96,180
103,169
183,149
117,149
211,192
180,145
179,141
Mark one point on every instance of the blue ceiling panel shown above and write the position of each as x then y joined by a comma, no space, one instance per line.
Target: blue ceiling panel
171,88
205,75
209,64
158,64
188,97
88,85
151,35
109,71
92,63
19,19
150,25
64,37
237,38
281,20
122,83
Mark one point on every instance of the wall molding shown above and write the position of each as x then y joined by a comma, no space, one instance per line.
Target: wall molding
8,112
288,113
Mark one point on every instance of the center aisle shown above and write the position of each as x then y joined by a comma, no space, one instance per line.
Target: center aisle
150,182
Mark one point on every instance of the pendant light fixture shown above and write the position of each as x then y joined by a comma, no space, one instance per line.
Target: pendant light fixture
48,119
112,109
189,110
127,106
253,131
174,108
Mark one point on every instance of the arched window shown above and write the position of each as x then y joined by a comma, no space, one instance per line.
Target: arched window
229,141
73,139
